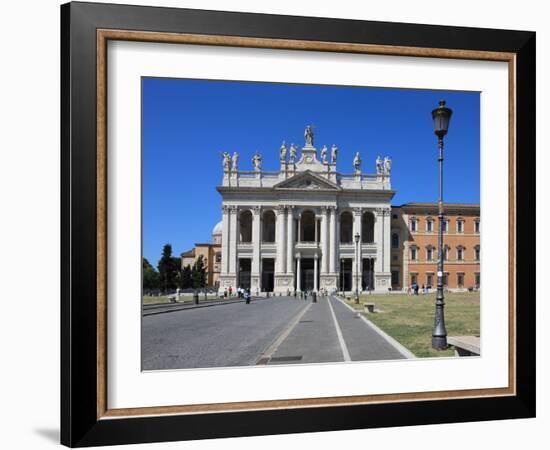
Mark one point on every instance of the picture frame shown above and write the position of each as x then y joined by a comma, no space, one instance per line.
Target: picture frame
86,418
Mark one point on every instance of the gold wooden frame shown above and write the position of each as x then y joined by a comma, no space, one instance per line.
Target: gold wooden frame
103,36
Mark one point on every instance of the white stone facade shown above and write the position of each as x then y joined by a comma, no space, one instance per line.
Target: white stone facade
295,229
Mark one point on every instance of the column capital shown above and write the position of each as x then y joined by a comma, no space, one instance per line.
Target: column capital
357,211
280,209
226,209
316,255
298,255
332,208
234,208
383,211
256,210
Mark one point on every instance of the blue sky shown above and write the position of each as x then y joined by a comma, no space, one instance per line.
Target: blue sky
188,123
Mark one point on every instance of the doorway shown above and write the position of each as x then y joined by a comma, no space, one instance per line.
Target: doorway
307,275
244,272
346,274
367,283
268,269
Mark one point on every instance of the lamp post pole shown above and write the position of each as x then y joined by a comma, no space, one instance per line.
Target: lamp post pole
441,117
357,238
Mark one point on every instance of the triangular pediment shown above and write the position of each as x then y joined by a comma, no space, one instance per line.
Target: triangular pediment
307,181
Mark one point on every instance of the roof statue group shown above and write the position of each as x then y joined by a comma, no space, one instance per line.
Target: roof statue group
230,162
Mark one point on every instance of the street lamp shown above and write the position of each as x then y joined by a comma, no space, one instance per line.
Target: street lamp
357,238
441,117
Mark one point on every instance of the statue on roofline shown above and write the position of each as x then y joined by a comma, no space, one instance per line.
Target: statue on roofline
357,162
257,162
226,161
282,152
333,154
293,151
379,166
324,152
387,165
308,135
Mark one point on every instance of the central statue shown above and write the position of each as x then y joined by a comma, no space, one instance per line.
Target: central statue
308,135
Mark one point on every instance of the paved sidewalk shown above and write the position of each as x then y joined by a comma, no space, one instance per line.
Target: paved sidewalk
313,340
363,342
331,332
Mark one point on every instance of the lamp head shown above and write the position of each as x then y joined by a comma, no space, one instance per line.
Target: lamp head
441,117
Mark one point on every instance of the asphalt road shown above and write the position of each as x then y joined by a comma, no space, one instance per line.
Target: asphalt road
278,330
218,336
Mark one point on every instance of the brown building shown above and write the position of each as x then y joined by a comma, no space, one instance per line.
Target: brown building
414,228
212,256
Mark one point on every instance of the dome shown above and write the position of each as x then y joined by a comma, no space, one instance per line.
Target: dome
217,229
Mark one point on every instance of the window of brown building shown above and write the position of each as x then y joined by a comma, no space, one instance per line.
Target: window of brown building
460,253
429,280
430,253
476,252
429,225
460,225
460,280
476,225
414,253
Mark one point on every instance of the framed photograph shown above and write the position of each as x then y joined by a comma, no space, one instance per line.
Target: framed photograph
277,224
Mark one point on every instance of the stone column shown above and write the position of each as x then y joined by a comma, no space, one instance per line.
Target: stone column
281,240
290,240
225,239
378,225
333,251
316,230
324,240
256,224
298,271
357,228
382,231
315,272
233,238
386,238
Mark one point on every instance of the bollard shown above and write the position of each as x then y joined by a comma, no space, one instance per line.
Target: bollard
196,297
314,297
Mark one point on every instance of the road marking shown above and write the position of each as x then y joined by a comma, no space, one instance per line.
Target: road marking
343,345
266,356
395,344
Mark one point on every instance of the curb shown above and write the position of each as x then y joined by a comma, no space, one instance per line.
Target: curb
183,308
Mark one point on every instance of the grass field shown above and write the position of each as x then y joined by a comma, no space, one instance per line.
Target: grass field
409,319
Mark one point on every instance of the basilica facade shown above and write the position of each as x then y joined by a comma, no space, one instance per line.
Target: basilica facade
306,226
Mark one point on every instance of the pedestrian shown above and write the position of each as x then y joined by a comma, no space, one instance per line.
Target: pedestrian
423,289
225,293
230,290
416,289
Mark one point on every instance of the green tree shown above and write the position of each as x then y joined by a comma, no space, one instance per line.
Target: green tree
186,277
169,269
198,273
150,276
